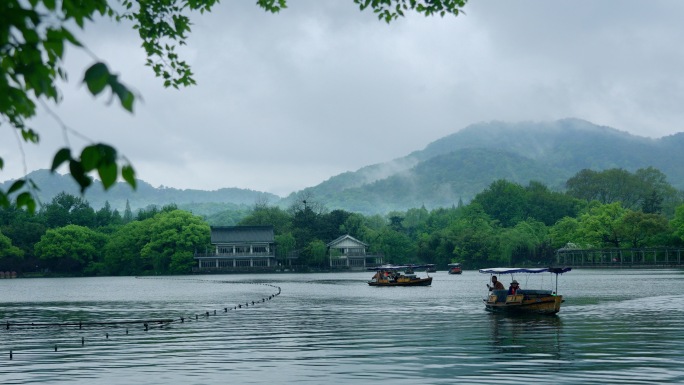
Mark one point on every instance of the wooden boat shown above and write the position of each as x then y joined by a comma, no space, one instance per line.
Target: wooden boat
524,301
455,268
391,275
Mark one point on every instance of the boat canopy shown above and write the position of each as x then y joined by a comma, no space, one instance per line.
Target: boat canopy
398,267
515,270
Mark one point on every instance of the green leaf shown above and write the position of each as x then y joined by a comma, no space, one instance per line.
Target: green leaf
79,175
16,186
55,42
90,158
61,156
126,97
96,77
4,202
26,200
128,174
71,38
108,172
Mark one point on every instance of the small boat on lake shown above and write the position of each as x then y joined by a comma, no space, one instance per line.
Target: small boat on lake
524,301
403,275
455,268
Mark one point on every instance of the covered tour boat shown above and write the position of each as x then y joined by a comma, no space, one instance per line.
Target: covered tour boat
455,268
526,301
393,275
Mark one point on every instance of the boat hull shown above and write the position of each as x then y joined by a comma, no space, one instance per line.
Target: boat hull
414,282
520,305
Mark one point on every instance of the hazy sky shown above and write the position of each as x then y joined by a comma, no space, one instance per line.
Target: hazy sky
287,101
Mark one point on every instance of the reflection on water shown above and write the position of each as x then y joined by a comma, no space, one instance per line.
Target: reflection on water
523,335
337,329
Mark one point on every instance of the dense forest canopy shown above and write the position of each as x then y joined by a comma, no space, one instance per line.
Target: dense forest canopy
505,224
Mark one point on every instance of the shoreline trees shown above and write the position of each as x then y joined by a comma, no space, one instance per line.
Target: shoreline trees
506,224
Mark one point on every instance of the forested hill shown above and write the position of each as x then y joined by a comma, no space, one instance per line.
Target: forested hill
462,164
198,201
452,169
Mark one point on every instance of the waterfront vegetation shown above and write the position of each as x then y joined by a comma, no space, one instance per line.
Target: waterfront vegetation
506,224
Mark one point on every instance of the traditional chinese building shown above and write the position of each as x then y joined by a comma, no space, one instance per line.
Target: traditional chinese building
348,252
239,248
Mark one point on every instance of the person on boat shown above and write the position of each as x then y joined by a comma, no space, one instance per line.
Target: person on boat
513,289
496,285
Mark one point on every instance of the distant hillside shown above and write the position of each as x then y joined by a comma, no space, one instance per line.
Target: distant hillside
462,164
453,168
198,201
439,181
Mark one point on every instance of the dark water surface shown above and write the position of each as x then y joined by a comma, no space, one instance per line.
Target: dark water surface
616,326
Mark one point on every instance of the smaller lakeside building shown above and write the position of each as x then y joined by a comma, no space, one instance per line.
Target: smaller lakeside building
350,253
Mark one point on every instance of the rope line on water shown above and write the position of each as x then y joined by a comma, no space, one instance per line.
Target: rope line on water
147,324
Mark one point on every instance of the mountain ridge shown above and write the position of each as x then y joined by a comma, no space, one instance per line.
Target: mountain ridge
448,170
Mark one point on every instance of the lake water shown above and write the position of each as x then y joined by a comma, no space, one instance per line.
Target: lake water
616,326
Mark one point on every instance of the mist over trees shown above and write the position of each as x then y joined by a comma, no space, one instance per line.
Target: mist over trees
505,224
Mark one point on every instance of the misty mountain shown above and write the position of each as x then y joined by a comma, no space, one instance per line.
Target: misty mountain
462,164
456,167
198,201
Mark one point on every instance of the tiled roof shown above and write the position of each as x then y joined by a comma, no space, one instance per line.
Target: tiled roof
342,238
241,234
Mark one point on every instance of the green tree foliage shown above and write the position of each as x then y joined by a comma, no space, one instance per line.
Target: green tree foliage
174,238
122,251
510,203
473,236
66,209
128,213
565,233
315,253
658,195
71,248
527,242
152,210
397,247
107,217
646,189
503,201
549,206
601,225
11,257
285,244
640,229
268,216
164,241
353,225
7,250
22,228
677,222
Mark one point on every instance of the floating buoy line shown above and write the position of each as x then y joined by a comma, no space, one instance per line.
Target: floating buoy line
144,325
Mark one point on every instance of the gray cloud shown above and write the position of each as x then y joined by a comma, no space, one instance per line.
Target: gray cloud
286,101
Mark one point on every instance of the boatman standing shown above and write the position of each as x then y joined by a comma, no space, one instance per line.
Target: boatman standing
496,285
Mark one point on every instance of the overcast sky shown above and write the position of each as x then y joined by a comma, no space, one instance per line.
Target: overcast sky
287,101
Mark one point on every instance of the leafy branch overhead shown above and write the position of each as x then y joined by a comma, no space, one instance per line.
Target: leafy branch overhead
33,37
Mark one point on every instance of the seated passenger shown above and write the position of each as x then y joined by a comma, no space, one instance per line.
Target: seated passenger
513,289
